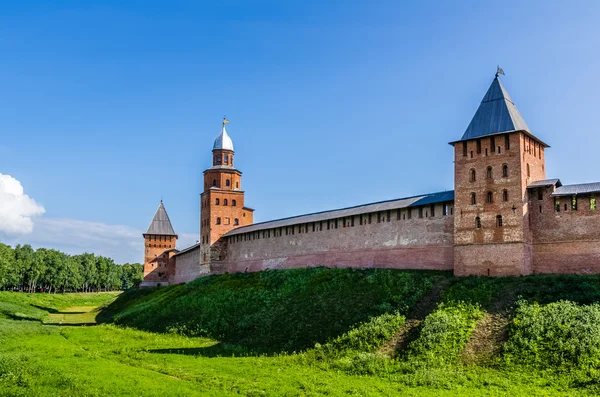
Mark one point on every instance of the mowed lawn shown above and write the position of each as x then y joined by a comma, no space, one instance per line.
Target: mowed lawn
50,346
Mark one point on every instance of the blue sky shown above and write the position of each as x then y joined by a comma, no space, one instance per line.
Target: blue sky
108,106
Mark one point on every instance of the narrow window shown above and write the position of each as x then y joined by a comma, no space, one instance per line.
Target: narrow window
217,201
507,142
313,226
528,171
464,149
499,220
227,182
493,144
409,213
379,217
479,146
486,151
565,206
540,194
218,221
398,214
218,159
444,209
471,154
370,218
593,203
505,170
574,203
224,201
420,212
227,160
505,195
360,220
336,223
233,203
489,173
473,175
540,209
432,210
328,224
214,182
236,221
388,215
490,197
557,204
473,198
237,185
352,221
478,222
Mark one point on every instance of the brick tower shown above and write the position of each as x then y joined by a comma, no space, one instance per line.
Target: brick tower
222,202
495,160
160,243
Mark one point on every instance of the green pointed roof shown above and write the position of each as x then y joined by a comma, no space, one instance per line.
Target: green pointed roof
161,224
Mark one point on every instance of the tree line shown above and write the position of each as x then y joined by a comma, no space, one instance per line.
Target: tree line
46,270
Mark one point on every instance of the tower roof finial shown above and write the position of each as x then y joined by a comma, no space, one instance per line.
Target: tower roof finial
499,71
223,140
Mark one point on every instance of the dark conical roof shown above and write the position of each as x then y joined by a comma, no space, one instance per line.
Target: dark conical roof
161,224
497,113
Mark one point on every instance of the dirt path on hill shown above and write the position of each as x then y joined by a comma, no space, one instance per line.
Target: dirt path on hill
490,333
414,318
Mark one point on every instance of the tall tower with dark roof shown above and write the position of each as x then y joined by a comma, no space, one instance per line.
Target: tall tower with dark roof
495,160
160,243
222,206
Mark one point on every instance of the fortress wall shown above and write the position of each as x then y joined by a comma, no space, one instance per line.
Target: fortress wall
188,267
418,243
567,241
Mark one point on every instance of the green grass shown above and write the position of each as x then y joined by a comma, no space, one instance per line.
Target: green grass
336,320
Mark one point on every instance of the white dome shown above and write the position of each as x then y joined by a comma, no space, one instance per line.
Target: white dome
223,141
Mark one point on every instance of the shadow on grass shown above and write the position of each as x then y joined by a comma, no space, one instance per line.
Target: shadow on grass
216,350
46,309
70,324
20,317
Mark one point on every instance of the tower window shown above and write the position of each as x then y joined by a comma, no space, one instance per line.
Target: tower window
505,170
486,151
217,201
490,197
489,172
478,222
574,203
226,159
233,203
507,142
214,182
227,182
464,149
540,194
420,212
237,185
218,221
224,201
499,220
218,159
471,154
505,195
409,213
473,198
432,210
528,171
493,144
479,146
472,175
557,204
593,203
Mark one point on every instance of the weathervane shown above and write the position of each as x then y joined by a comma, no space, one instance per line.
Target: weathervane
499,71
225,121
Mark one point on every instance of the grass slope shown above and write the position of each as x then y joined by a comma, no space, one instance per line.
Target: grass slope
208,337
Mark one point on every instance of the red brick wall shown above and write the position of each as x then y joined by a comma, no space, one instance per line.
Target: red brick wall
418,243
157,264
567,241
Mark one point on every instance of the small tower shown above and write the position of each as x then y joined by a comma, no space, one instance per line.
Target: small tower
160,243
495,160
222,202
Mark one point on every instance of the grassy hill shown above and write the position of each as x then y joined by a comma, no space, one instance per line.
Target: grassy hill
310,332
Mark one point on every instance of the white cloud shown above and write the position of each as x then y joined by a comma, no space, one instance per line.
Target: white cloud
122,243
16,208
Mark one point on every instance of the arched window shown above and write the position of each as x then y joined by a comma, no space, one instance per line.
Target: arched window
473,198
226,159
236,221
499,220
472,175
505,195
490,197
214,182
227,183
505,170
224,201
478,222
218,221
217,201
233,203
489,173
